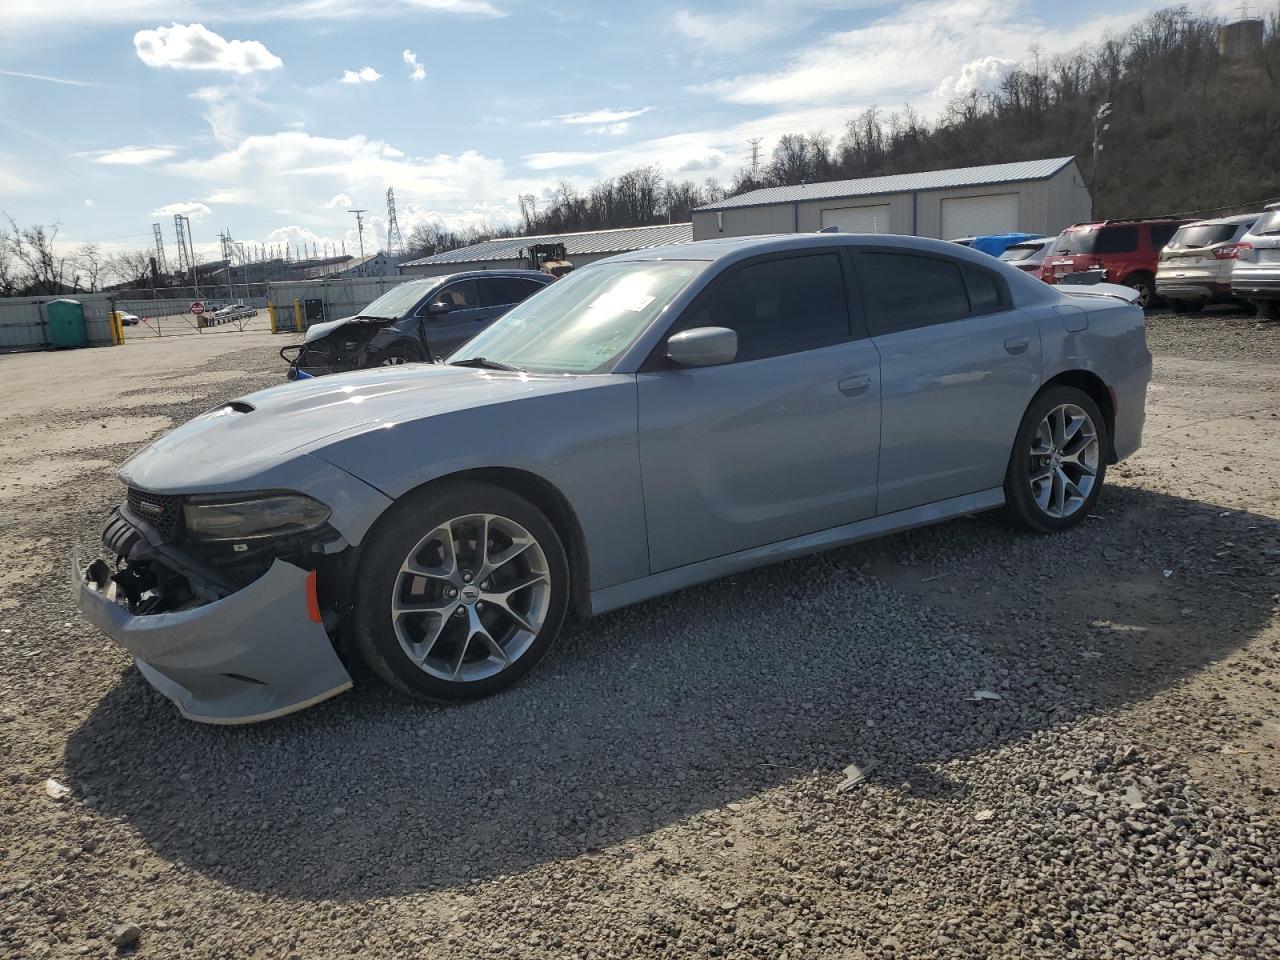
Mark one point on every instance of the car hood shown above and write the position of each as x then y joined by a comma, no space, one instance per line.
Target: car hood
250,436
318,330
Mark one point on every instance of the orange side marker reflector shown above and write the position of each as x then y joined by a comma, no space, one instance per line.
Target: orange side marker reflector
313,602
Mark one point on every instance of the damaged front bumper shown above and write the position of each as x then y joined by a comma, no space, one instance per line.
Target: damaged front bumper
258,653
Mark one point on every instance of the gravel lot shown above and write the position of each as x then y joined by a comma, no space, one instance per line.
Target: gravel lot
668,782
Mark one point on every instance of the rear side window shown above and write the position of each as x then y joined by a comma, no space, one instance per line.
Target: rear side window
501,291
779,306
985,293
1117,240
905,291
1161,234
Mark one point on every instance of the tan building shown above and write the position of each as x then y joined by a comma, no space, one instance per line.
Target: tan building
1031,196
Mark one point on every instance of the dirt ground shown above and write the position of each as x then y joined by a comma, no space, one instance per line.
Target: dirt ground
668,783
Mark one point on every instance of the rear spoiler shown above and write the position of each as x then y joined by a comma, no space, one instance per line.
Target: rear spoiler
1113,290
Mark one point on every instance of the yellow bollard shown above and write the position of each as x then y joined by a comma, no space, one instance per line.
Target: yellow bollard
297,316
117,331
271,315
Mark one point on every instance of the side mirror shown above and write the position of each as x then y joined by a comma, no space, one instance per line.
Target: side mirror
703,347
440,306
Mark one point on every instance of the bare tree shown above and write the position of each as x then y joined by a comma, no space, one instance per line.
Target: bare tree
90,265
130,267
31,249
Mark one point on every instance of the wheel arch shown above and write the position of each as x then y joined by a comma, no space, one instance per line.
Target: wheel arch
1098,392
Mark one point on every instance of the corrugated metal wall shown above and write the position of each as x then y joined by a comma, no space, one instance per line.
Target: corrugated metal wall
23,325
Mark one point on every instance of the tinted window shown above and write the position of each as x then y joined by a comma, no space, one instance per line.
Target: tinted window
984,290
906,291
779,306
462,295
529,287
1021,252
1117,240
501,291
1161,234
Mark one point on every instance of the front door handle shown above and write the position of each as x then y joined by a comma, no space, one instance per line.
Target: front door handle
854,386
1016,345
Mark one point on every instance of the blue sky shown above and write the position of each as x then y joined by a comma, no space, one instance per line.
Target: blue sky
271,119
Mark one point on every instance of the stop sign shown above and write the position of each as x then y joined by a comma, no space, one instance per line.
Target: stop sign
197,308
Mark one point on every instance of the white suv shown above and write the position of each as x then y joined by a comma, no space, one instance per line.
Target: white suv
1256,276
1196,265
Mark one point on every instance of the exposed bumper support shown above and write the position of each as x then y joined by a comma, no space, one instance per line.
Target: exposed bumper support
251,656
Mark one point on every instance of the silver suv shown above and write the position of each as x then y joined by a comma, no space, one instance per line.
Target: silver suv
1256,276
1195,265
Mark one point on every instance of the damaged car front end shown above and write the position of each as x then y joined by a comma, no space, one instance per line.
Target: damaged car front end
354,343
229,601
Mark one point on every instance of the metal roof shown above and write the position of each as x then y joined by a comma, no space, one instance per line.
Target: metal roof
896,183
594,241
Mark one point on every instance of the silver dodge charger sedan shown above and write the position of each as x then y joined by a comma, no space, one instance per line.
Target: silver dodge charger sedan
652,421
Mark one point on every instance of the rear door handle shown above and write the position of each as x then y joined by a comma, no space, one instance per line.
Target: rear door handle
854,386
1016,345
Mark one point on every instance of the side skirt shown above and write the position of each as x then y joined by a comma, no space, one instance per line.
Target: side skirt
634,591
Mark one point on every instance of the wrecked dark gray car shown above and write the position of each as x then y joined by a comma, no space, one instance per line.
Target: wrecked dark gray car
417,320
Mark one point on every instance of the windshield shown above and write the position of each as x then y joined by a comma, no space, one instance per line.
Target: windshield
1269,223
396,302
1202,235
581,323
1021,252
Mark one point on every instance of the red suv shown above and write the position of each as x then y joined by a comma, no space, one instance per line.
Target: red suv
1126,251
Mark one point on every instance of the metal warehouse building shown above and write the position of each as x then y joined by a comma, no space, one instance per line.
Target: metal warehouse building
581,248
1032,196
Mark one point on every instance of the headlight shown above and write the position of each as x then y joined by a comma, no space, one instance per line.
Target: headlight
271,515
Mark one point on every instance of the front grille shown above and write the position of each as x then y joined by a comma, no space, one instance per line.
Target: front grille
159,511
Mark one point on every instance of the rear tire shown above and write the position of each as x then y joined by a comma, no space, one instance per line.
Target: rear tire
1058,463
1268,309
459,622
1144,283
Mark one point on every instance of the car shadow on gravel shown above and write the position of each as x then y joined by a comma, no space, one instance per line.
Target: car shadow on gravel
646,716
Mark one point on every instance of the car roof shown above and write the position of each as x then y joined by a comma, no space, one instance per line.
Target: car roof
1223,221
723,249
473,274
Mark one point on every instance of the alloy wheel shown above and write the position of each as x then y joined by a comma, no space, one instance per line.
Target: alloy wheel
471,597
1064,460
393,361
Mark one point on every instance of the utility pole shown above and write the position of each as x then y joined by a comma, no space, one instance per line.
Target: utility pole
360,230
1100,126
228,255
395,242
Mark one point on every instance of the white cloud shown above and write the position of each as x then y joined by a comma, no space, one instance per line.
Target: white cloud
195,47
481,8
605,116
612,129
982,75
226,195
754,22
192,208
417,72
338,201
363,75
89,203
132,156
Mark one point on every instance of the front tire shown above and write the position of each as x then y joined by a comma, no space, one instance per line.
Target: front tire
462,588
400,353
1268,309
1059,461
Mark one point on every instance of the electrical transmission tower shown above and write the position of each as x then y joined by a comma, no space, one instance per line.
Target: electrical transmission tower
186,251
755,157
395,242
161,266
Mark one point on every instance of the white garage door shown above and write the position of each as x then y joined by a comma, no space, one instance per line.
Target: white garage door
873,219
979,216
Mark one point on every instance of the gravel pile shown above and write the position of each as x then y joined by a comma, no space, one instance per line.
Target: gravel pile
960,742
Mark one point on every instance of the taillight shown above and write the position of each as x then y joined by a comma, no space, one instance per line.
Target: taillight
1242,251
1229,251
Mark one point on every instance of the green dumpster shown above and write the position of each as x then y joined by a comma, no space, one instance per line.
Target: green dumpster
65,323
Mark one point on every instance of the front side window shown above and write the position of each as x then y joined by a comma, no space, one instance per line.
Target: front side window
462,295
779,306
583,323
904,291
